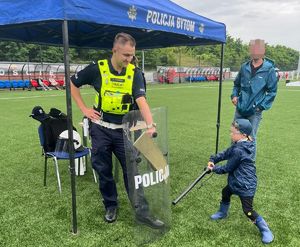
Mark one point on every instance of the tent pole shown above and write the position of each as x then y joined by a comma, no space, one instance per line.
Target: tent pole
179,72
70,122
220,97
143,61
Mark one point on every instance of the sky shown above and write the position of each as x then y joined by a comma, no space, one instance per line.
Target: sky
275,21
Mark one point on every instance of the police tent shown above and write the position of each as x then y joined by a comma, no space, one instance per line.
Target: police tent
93,24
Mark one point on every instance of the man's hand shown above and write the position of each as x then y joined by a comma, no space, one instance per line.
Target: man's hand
147,116
151,131
91,114
210,165
234,100
88,112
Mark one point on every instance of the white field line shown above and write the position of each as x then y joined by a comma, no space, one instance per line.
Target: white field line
166,88
60,95
40,96
150,89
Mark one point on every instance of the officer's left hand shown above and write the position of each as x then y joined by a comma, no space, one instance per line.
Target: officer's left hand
91,113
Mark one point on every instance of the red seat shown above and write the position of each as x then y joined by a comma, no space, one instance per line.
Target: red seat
46,82
34,83
61,82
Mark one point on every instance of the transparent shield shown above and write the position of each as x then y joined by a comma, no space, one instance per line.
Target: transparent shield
148,175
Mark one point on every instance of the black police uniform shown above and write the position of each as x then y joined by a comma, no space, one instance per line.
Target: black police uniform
106,141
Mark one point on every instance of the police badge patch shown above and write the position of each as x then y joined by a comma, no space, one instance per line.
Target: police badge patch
132,12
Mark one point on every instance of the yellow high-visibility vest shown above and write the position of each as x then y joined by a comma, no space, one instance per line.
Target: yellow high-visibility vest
116,90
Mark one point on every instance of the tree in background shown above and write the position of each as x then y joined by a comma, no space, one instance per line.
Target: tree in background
235,53
285,58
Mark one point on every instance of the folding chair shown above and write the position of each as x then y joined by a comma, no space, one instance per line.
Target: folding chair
60,155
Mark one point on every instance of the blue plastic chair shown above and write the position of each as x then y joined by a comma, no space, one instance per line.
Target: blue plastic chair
7,84
21,84
27,83
60,156
2,84
14,84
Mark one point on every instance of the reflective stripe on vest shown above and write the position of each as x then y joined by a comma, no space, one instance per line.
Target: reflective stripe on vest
116,90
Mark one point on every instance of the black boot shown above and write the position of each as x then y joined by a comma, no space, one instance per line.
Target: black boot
110,215
150,221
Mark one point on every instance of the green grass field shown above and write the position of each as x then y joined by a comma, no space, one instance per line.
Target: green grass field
34,215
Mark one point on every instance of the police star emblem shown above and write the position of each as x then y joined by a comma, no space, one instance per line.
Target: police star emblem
132,13
201,28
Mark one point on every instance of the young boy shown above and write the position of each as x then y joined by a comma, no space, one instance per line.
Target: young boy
242,179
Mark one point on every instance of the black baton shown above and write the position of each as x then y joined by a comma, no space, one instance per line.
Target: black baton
191,186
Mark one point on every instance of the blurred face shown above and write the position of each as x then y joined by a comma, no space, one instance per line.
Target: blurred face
235,134
257,49
123,54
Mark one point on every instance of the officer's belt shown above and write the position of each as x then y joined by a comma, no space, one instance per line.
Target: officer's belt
108,125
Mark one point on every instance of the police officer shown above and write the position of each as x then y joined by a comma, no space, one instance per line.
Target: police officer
119,88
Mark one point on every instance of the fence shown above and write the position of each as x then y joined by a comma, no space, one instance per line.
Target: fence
20,74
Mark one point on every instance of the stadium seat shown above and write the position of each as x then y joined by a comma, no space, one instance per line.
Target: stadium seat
14,84
202,78
34,83
27,83
21,84
46,82
7,84
61,82
54,83
2,84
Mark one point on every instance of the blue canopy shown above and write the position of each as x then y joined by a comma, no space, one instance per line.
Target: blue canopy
93,24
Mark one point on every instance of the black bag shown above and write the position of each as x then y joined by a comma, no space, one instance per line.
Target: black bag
53,125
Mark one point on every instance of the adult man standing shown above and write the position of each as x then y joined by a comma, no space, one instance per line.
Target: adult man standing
255,86
119,88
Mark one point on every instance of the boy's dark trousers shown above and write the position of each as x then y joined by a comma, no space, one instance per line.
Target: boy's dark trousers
247,203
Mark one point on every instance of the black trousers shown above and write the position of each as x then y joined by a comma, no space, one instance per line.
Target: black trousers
105,142
247,203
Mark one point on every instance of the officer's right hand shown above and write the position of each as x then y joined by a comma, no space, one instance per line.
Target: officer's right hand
151,132
234,100
91,113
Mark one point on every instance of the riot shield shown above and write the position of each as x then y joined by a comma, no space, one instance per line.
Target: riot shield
148,175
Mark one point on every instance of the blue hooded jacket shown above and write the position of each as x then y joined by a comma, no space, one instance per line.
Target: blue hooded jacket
240,167
255,92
